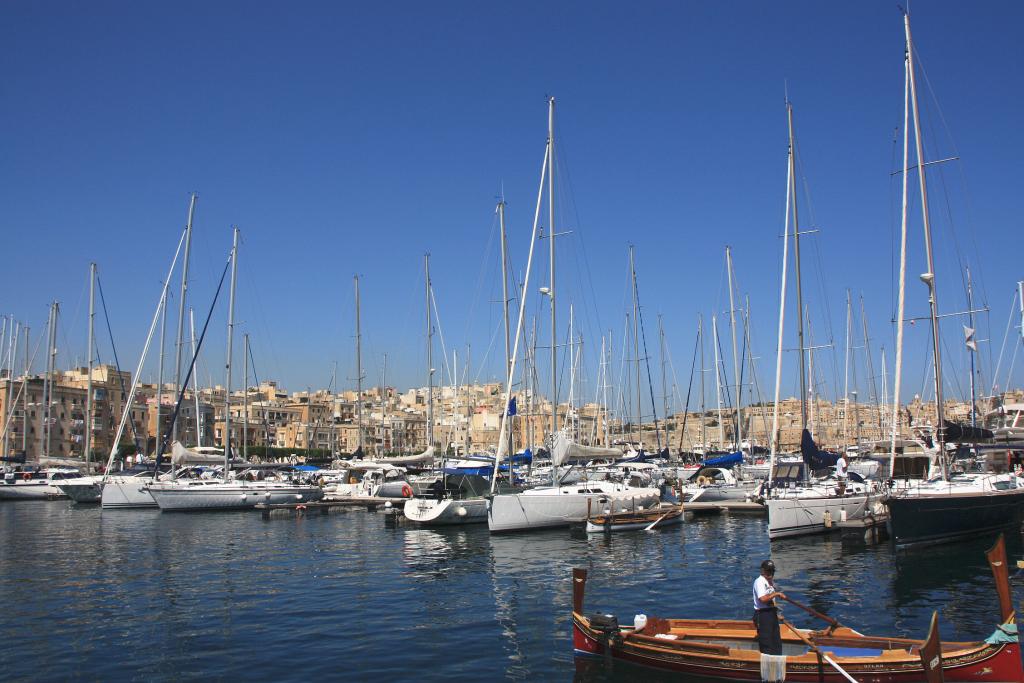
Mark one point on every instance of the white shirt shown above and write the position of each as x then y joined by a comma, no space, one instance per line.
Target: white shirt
761,589
841,467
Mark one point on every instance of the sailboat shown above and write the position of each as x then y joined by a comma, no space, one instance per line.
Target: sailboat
458,496
227,493
948,506
557,505
797,504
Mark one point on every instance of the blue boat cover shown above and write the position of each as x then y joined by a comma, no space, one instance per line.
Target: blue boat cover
815,459
724,460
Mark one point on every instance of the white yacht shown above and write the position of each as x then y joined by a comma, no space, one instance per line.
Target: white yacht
816,508
231,494
562,505
799,505
559,506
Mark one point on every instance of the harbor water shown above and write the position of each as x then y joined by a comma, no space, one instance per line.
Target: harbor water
145,596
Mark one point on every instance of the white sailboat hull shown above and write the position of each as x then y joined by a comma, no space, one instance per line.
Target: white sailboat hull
126,493
801,515
563,506
181,497
431,512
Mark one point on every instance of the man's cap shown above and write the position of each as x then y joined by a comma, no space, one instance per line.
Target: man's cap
768,567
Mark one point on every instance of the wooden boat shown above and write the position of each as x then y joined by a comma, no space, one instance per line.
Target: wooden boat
634,520
724,650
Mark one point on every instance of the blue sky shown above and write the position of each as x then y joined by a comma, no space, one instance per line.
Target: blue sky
351,138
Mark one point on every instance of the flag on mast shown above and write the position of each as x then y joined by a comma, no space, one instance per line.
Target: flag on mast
969,339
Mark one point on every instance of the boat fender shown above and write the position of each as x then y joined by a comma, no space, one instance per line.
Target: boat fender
406,491
828,519
639,622
27,476
461,512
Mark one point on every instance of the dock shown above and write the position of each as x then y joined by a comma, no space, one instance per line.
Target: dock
326,507
730,506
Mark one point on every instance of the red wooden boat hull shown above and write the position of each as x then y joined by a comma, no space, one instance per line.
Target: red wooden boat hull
1000,663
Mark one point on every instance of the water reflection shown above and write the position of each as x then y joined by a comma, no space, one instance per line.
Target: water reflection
150,596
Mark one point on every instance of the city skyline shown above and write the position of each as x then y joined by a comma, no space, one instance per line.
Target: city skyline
357,155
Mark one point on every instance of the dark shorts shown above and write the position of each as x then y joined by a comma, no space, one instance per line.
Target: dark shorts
769,640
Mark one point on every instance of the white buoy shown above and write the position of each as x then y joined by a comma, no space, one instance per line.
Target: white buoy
387,504
461,512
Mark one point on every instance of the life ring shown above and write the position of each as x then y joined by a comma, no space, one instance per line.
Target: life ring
703,481
406,491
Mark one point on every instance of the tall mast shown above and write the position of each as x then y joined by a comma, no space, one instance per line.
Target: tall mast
504,304
160,373
551,247
872,385
7,339
796,256
430,357
735,354
604,392
703,397
774,441
384,406
570,408
929,277
846,375
231,338
636,351
718,384
195,380
89,354
664,382
181,306
884,399
359,371
11,360
24,396
245,398
812,399
51,366
972,351
898,370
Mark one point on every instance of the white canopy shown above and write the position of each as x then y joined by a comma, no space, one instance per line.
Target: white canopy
425,456
566,450
183,456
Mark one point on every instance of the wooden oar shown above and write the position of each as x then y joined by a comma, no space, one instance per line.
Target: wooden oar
833,624
651,525
815,649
